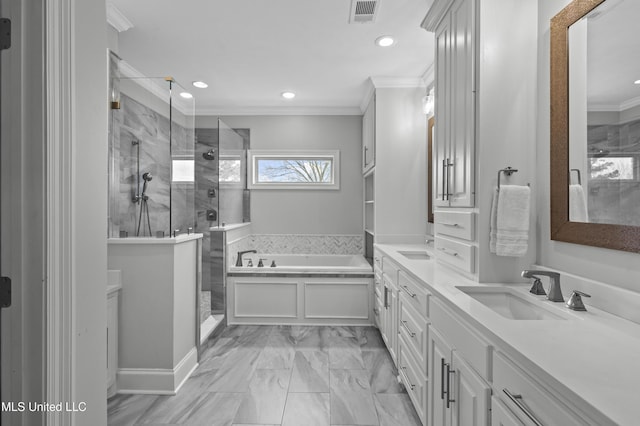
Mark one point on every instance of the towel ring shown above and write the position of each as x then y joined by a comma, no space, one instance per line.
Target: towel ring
508,171
579,178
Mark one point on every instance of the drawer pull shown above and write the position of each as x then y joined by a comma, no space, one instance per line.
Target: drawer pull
449,373
411,333
453,225
517,400
450,253
386,298
412,386
375,311
409,292
442,391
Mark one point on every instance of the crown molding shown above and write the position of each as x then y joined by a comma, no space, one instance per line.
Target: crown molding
116,18
435,14
276,110
622,106
396,82
429,76
370,90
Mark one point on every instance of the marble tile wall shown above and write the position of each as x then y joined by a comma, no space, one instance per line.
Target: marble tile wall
298,244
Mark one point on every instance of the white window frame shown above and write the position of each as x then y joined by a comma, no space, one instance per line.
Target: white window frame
255,155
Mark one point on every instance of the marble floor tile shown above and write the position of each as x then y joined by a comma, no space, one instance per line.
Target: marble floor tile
220,351
351,399
345,358
309,409
276,358
383,375
216,409
236,372
396,410
265,400
172,409
369,338
310,372
124,410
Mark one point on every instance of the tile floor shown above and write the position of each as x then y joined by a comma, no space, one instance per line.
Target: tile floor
281,375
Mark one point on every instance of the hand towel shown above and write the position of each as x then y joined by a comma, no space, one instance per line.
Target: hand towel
493,227
512,237
577,204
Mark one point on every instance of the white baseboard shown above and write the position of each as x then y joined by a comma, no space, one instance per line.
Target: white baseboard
157,381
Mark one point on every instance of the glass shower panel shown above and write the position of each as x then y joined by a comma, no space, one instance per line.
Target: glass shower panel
232,175
182,165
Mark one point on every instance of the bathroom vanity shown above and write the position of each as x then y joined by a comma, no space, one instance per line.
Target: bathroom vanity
494,354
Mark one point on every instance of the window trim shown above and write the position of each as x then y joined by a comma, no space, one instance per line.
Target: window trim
255,155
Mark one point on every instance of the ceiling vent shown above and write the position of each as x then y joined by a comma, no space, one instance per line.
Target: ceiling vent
363,11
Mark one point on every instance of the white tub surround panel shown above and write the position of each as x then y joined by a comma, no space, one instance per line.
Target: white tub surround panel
581,369
158,314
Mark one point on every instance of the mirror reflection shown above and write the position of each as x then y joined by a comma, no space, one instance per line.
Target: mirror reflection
604,115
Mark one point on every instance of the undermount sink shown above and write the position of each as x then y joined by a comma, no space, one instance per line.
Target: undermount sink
511,304
415,255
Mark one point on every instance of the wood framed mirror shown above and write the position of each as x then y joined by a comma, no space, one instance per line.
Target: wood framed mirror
597,206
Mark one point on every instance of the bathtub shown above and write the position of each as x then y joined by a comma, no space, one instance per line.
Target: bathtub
301,289
303,263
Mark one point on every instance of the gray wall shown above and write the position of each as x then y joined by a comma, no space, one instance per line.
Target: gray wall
299,211
618,268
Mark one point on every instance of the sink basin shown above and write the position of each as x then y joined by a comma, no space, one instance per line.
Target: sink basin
415,255
512,304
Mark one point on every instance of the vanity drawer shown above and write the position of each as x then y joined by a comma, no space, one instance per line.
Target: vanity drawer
377,311
390,269
377,284
455,224
476,351
460,255
377,259
414,380
418,296
413,327
537,400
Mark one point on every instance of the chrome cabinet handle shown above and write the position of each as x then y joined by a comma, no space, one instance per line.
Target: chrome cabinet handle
413,295
454,225
412,386
444,179
449,165
517,400
442,392
386,297
450,253
449,373
411,333
376,311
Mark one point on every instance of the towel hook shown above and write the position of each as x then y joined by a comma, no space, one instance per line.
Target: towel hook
508,171
579,178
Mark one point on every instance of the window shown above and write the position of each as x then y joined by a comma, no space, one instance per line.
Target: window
230,168
612,168
294,169
183,170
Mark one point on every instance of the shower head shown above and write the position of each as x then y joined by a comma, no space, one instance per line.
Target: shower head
209,155
147,177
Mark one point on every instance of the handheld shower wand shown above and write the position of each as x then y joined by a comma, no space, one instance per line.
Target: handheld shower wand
144,207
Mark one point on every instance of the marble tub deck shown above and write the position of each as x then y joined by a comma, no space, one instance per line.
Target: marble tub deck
281,375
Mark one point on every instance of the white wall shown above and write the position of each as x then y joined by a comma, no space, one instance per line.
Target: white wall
299,211
611,266
90,208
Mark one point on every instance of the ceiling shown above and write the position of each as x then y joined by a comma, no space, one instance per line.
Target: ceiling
250,51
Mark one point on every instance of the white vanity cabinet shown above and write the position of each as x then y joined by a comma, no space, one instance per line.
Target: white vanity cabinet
369,136
454,147
390,315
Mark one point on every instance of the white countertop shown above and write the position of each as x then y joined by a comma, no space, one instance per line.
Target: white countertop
593,354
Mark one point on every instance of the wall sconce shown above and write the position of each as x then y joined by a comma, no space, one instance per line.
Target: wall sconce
427,103
115,101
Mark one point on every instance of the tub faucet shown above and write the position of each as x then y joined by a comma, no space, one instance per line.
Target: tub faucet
239,259
555,292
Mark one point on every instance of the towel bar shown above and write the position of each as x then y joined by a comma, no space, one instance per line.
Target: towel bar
579,177
507,171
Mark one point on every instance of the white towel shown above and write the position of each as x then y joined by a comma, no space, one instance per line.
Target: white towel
493,228
513,220
577,204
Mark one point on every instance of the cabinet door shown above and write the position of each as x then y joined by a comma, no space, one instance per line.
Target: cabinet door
501,416
439,358
470,394
462,110
440,152
368,136
393,323
384,314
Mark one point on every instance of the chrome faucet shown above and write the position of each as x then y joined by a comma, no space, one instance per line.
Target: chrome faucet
239,259
555,292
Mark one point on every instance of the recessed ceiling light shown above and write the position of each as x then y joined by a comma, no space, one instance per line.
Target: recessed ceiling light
385,41
186,95
636,82
288,95
200,84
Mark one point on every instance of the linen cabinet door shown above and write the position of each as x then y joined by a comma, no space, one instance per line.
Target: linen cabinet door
470,395
442,114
